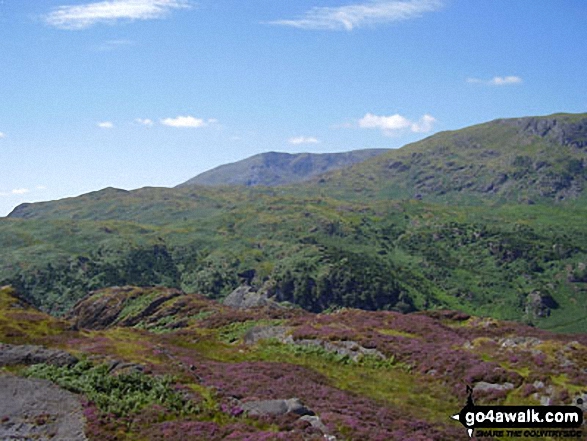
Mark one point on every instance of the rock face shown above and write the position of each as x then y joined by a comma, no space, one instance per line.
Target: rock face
11,355
34,409
564,133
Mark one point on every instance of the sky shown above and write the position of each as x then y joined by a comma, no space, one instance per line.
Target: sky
134,93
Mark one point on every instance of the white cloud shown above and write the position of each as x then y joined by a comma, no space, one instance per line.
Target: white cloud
2,135
20,191
303,140
361,14
105,125
41,187
393,124
424,125
145,122
497,81
184,121
77,17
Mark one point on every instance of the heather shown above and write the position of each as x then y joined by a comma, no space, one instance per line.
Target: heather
364,374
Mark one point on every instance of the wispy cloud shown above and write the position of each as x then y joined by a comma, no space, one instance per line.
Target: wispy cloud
144,121
112,45
20,191
497,81
303,140
2,135
359,15
184,121
394,124
76,17
105,125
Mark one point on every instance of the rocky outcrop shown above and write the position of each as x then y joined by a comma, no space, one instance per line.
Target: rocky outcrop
11,355
34,409
539,305
344,348
245,297
556,128
102,309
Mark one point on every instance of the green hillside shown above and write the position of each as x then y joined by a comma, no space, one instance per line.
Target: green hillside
522,160
378,235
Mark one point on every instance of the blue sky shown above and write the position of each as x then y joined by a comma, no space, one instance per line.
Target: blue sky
133,93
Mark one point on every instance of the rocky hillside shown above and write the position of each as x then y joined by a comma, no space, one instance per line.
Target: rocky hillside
155,364
507,160
275,168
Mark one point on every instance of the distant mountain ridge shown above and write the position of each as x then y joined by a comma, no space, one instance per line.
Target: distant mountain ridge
275,168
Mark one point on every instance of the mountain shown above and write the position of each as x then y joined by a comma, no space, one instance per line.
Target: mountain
159,364
507,160
275,168
488,220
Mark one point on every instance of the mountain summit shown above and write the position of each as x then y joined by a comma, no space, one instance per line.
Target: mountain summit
274,168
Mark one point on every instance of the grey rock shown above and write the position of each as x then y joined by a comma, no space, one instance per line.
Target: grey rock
538,384
519,342
484,386
315,422
349,348
38,409
11,355
245,297
257,333
275,407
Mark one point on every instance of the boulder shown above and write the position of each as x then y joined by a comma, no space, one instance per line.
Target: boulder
484,386
11,355
34,409
275,407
